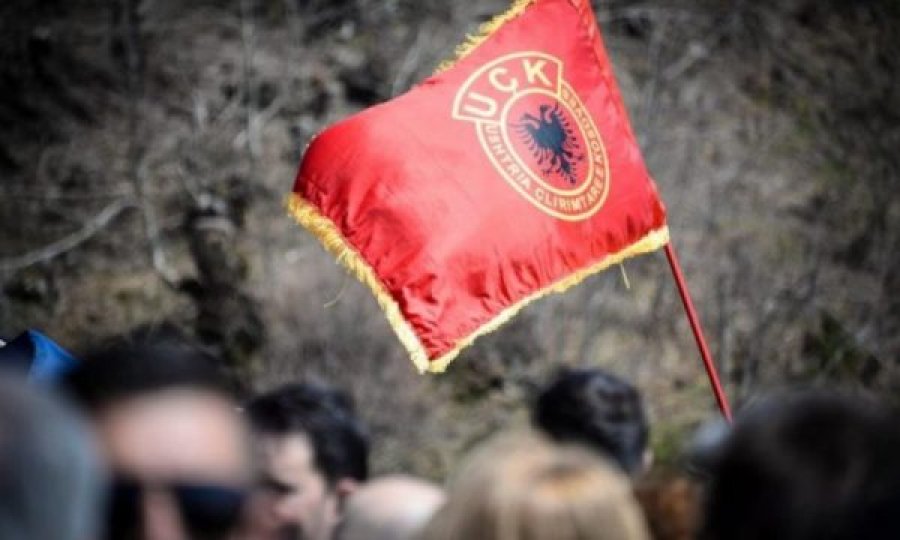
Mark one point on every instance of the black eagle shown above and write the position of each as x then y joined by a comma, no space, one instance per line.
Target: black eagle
552,141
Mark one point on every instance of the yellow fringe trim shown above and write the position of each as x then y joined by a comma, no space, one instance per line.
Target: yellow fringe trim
327,232
334,242
484,32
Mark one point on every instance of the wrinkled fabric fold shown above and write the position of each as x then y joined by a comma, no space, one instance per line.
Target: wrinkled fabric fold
508,175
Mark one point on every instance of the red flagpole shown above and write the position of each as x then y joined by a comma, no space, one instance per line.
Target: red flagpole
694,321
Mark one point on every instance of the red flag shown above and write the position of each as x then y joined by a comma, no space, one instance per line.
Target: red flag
508,175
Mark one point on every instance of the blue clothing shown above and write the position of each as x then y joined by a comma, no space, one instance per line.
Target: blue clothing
37,356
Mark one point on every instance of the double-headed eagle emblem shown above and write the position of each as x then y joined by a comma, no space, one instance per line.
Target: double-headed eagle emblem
552,141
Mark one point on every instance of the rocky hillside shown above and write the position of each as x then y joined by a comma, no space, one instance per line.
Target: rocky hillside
146,147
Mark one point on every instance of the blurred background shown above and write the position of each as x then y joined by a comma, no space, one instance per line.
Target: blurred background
146,147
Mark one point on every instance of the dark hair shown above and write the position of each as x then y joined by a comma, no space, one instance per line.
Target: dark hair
140,363
324,414
597,409
809,466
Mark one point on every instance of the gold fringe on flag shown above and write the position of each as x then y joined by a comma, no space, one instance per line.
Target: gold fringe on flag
484,32
331,238
334,242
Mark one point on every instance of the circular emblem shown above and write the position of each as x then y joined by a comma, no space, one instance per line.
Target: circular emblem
537,133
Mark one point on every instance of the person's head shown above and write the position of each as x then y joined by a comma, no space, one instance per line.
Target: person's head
671,505
526,488
596,409
314,452
172,436
51,480
389,508
808,466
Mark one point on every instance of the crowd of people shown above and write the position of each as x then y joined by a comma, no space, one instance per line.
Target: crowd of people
143,439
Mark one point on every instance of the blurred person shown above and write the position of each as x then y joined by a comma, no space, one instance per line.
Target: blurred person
51,480
599,410
808,466
671,505
389,508
314,453
704,447
172,436
673,501
524,487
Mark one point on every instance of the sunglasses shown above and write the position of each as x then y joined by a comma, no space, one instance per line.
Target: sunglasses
208,511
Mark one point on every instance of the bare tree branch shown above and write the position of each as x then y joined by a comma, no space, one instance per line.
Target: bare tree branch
248,37
151,228
70,242
655,13
37,196
408,67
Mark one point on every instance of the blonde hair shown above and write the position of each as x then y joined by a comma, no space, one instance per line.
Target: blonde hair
523,487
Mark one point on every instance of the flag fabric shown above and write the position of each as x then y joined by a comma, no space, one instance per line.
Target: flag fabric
511,173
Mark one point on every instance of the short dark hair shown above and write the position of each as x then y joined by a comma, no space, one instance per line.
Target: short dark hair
326,416
813,465
596,409
143,362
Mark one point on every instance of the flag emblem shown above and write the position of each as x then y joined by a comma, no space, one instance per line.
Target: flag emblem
537,133
510,174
